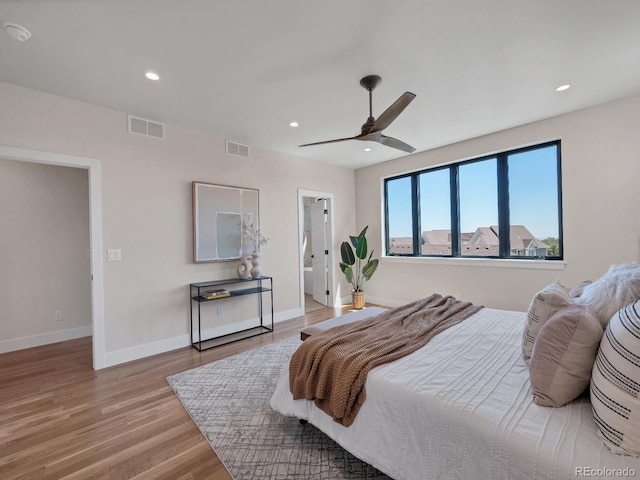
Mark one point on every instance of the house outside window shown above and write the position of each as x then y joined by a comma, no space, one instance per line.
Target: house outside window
507,205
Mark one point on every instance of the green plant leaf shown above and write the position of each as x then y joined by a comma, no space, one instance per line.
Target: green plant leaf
370,268
363,232
361,249
348,273
347,254
354,241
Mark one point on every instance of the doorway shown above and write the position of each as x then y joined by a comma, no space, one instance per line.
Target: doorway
95,234
315,225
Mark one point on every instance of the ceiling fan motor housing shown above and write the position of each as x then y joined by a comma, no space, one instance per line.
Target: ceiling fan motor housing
370,82
368,125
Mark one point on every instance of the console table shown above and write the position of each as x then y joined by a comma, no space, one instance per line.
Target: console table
236,287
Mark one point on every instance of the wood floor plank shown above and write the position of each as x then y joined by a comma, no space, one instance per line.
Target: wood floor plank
61,420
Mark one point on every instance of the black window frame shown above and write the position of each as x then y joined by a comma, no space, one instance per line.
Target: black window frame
503,206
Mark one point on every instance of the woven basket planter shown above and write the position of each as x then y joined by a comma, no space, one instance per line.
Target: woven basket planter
357,300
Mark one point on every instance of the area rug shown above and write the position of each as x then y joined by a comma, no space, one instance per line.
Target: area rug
229,402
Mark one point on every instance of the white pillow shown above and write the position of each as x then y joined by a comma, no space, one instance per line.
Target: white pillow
615,289
543,306
615,383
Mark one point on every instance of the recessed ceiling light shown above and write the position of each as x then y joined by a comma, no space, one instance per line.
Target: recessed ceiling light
17,32
564,87
152,76
367,149
293,124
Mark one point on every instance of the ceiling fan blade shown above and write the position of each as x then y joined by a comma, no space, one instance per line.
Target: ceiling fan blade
395,143
388,141
329,141
391,113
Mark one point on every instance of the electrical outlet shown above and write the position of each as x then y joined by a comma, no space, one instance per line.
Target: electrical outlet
59,316
220,311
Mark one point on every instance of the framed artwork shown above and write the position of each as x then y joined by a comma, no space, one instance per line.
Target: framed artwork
219,212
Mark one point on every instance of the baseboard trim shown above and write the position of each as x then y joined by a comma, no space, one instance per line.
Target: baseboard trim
385,302
154,348
145,350
44,339
288,314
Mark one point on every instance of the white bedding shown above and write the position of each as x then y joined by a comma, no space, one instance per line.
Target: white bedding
461,408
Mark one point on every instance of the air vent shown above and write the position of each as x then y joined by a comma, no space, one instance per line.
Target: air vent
238,149
142,126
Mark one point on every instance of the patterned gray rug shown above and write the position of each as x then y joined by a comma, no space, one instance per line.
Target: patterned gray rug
229,401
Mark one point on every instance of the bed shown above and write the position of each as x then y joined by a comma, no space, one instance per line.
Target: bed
461,407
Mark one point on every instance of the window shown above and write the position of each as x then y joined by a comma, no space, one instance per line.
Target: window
435,212
478,193
507,205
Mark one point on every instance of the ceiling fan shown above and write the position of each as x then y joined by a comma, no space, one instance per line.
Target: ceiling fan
372,128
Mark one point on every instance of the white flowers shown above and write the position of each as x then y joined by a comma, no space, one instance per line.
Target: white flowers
252,234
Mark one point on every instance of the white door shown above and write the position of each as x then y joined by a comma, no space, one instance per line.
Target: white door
320,251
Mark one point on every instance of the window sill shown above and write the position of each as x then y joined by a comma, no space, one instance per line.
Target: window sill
481,262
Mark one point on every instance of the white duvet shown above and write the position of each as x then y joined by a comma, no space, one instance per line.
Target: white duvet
461,408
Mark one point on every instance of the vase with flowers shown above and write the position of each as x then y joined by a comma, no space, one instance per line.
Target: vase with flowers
253,235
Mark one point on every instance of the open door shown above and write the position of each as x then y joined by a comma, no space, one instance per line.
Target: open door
315,240
320,251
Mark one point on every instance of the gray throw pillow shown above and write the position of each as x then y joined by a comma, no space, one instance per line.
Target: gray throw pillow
563,356
543,305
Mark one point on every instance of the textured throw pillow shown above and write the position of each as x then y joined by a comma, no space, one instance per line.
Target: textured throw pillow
576,290
547,301
563,356
609,293
615,383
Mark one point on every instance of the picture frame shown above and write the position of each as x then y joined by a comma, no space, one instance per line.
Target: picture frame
219,213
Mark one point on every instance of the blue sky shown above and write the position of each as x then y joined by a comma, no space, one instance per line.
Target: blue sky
533,196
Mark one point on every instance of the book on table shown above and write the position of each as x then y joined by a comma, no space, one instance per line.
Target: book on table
211,294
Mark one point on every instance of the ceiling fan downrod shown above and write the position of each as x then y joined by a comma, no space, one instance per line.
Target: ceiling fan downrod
370,82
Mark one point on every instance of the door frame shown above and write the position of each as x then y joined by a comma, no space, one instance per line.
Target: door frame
330,207
95,232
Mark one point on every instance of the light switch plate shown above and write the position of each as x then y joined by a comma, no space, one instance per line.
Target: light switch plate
114,255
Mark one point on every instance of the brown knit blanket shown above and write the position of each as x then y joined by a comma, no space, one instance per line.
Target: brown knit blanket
331,367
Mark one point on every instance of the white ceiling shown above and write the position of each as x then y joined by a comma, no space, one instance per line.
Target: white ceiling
244,69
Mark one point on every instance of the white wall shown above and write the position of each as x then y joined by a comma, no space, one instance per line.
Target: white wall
600,177
146,211
44,260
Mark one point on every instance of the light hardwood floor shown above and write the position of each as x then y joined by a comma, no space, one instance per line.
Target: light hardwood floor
60,419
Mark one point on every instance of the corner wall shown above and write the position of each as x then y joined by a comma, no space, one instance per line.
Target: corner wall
600,175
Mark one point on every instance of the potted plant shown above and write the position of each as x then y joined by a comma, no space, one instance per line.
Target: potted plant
353,256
